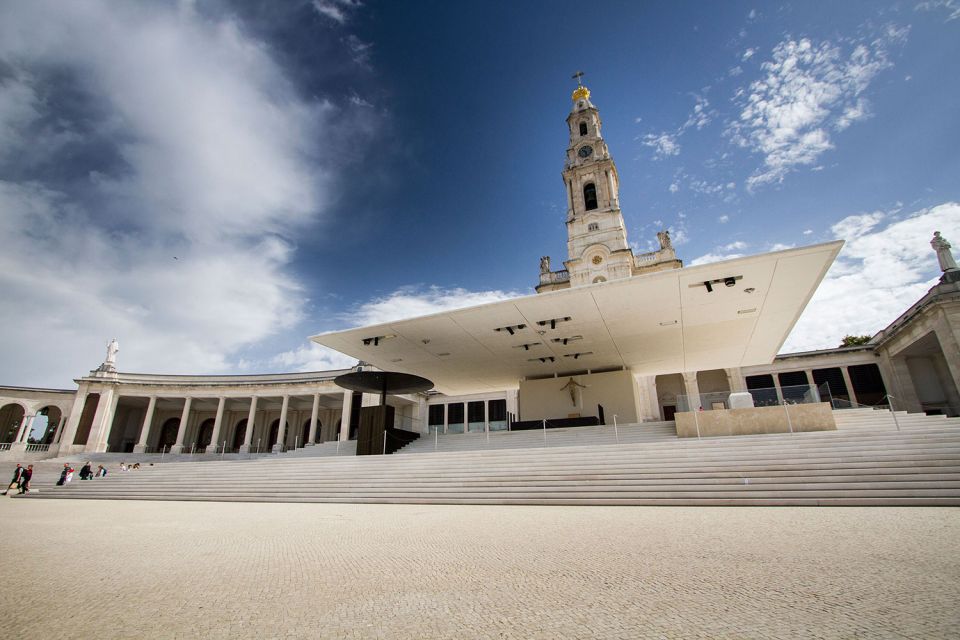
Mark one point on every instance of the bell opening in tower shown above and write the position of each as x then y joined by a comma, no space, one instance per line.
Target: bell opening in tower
590,196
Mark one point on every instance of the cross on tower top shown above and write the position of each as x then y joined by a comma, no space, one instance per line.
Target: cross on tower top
577,76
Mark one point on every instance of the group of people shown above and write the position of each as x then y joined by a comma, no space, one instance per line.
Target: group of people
22,476
86,473
21,479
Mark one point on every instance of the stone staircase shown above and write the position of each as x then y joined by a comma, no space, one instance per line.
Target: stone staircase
919,465
868,418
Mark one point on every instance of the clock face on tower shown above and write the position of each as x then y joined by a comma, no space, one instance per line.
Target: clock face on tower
585,151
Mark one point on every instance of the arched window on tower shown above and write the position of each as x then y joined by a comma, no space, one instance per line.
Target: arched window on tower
590,196
583,128
593,226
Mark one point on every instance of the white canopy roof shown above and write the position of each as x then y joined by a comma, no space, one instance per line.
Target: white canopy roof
665,322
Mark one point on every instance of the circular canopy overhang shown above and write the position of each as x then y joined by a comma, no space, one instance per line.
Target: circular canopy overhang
383,382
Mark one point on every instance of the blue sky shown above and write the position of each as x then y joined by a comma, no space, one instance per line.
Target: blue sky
212,182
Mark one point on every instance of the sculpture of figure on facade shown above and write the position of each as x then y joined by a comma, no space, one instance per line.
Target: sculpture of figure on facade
944,255
664,238
545,264
112,348
574,386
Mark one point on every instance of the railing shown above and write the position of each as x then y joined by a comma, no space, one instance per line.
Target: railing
5,446
555,277
38,447
766,397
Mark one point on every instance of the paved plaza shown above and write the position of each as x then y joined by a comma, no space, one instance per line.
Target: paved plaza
92,569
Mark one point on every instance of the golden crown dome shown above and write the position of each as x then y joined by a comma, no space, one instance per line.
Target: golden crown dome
581,93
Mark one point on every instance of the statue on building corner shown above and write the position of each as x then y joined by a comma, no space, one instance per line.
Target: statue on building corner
110,363
944,256
112,348
544,265
664,238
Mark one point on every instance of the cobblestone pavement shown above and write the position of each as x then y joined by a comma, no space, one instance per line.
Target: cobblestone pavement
92,569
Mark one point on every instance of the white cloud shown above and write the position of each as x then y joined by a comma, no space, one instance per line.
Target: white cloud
714,257
700,116
807,232
410,302
780,246
724,219
748,54
879,273
952,8
807,90
855,226
664,145
737,245
182,252
735,71
674,187
337,10
312,357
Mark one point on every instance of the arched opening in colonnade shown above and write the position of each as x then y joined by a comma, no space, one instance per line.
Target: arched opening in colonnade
168,434
11,415
239,432
46,423
275,431
204,433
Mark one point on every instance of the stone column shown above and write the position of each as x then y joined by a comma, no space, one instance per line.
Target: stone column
312,436
22,429
182,428
850,392
345,415
217,425
59,431
693,390
141,446
486,416
282,427
73,421
735,380
248,435
102,420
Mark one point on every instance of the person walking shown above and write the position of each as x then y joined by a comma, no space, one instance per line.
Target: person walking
25,479
15,482
63,475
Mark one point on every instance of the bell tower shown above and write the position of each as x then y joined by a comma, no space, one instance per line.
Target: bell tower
596,237
597,247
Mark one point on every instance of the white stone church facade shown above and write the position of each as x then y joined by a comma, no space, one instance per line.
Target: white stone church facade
914,363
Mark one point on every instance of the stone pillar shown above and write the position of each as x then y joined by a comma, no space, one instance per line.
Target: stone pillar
217,425
182,428
282,427
345,415
735,380
102,420
141,446
850,392
693,390
248,436
73,421
312,437
59,431
22,429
